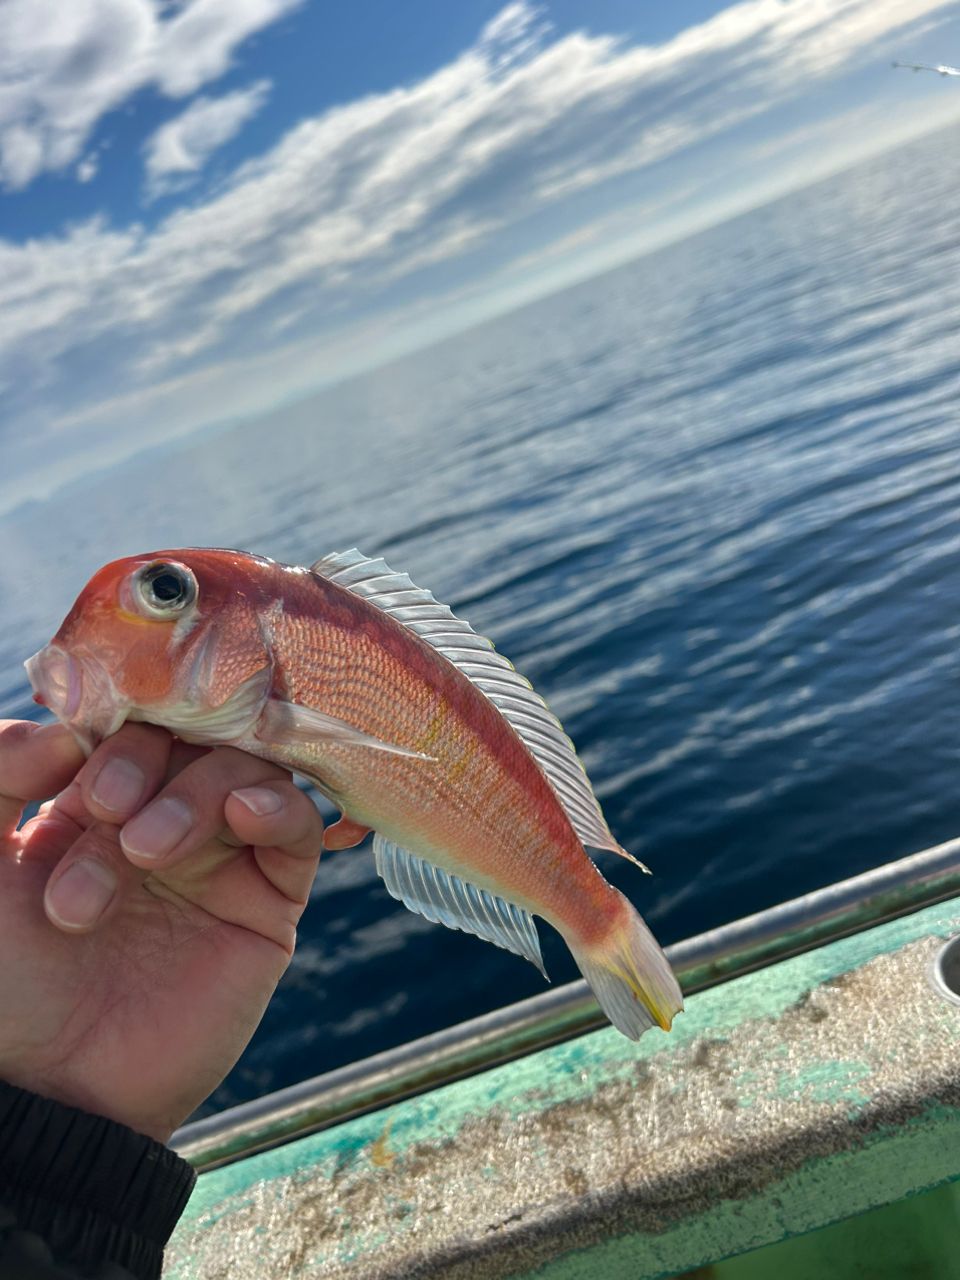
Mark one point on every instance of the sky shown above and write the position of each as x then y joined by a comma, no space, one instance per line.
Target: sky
211,208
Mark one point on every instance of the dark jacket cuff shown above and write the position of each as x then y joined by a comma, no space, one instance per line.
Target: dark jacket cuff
91,1188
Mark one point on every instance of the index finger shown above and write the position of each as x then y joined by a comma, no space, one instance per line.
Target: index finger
125,771
36,761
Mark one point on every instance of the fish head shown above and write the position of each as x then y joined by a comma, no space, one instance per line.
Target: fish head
153,637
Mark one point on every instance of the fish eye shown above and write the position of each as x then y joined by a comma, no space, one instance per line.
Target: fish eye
163,589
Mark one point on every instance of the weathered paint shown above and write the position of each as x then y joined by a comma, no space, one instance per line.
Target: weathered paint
878,1169
783,1100
562,1013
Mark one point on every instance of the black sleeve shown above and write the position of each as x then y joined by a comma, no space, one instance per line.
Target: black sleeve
82,1196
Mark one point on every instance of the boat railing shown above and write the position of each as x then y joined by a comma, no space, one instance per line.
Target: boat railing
800,924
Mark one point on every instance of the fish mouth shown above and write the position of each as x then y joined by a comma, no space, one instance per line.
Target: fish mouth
79,692
57,681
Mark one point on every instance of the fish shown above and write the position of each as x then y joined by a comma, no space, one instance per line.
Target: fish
408,720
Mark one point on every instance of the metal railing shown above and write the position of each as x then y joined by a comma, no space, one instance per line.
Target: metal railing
703,961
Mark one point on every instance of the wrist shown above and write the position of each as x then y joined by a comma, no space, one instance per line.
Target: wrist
71,1092
88,1187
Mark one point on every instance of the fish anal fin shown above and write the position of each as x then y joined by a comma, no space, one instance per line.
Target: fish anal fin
443,898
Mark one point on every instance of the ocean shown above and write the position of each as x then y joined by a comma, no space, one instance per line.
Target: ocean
709,502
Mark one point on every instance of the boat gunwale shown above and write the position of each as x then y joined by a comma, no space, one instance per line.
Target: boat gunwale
753,942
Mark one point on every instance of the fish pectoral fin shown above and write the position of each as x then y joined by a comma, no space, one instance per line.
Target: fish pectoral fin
344,834
444,898
285,723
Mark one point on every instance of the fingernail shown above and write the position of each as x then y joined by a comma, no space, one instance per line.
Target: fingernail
158,829
259,800
119,785
78,898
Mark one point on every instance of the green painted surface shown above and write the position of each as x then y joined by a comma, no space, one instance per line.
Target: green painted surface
786,1099
917,1238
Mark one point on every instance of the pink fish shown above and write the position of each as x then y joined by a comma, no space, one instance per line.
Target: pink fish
410,722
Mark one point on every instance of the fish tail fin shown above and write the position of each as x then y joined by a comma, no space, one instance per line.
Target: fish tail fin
630,976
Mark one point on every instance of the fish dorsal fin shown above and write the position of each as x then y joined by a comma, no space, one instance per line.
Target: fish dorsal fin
513,696
446,899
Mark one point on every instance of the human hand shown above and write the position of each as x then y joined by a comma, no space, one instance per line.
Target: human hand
130,985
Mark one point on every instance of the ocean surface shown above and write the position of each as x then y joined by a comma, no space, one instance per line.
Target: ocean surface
708,502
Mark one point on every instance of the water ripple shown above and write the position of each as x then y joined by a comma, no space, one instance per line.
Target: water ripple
708,503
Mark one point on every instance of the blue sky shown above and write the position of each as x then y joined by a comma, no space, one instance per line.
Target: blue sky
211,207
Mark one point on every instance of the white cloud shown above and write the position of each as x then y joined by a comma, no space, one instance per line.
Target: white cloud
87,168
351,201
514,33
21,155
197,43
181,147
65,65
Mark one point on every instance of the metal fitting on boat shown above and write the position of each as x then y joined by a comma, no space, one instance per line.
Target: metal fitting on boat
945,971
